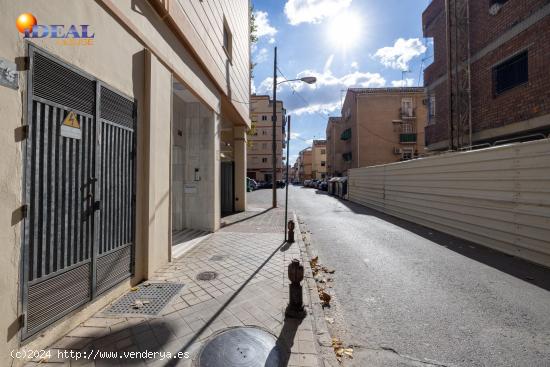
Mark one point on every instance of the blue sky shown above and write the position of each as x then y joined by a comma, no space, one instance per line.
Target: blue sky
344,43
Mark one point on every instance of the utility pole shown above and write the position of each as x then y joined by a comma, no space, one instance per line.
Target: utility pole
274,140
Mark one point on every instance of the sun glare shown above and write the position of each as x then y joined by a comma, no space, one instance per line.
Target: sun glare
345,30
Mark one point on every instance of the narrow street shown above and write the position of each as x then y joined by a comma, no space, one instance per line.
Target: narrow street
411,296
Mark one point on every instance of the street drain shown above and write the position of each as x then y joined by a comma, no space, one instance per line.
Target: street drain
241,346
207,275
148,299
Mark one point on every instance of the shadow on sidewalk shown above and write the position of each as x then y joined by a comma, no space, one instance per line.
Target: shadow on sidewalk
229,223
527,271
285,340
183,349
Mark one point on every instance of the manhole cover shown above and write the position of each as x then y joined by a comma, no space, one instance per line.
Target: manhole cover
207,275
242,346
149,299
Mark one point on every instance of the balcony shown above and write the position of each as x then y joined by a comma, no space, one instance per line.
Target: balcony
407,138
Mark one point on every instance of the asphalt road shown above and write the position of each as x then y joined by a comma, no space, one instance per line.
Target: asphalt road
411,296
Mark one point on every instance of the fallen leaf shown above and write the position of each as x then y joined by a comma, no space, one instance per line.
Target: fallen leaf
325,297
134,289
330,320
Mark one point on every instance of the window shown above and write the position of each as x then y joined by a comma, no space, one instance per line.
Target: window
264,145
323,151
431,110
407,107
264,132
227,40
264,118
511,73
346,156
346,135
323,163
264,160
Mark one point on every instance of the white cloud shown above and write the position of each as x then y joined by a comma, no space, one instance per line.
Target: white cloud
271,40
313,11
309,141
354,65
325,95
401,53
261,56
263,26
294,136
408,82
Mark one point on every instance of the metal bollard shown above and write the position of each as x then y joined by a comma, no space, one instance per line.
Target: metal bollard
295,308
290,228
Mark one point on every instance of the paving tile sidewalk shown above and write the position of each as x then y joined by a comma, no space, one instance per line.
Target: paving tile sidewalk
251,288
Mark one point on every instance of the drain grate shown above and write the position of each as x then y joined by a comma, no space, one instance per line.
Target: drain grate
207,275
242,346
218,258
149,299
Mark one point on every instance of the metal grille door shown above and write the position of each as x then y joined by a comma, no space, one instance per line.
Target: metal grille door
116,184
76,244
227,188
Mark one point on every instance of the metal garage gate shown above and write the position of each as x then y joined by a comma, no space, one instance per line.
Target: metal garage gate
227,184
79,190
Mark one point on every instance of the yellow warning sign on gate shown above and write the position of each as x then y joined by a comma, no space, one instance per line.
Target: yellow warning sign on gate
71,120
70,128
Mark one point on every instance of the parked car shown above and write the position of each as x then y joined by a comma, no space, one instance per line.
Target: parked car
307,183
323,186
315,184
280,184
251,185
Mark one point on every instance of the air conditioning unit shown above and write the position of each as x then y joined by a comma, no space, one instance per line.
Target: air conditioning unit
397,150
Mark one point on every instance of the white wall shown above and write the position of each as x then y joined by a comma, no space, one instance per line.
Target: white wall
498,197
196,148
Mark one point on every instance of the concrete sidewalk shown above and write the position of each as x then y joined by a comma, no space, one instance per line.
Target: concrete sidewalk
251,288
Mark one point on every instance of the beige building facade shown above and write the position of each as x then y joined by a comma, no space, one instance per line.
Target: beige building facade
377,126
260,153
319,159
305,160
335,163
111,147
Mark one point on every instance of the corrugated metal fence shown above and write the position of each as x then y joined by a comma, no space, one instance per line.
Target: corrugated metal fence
498,197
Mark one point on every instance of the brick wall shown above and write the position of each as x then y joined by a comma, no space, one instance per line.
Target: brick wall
489,111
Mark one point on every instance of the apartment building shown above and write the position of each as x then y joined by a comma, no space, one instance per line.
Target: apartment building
305,165
377,126
335,162
112,142
499,50
260,153
319,159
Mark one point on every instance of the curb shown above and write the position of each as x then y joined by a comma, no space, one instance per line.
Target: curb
324,341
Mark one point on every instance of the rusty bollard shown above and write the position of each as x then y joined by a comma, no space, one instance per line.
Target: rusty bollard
290,228
295,308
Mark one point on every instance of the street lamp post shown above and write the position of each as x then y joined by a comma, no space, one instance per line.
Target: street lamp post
308,80
274,139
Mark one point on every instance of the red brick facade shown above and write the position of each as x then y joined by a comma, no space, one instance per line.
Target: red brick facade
489,111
